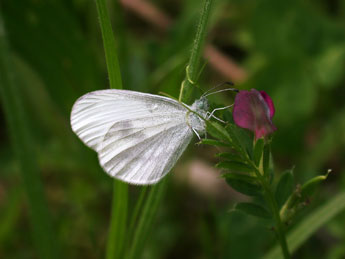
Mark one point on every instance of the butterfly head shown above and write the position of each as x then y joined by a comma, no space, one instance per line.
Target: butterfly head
201,106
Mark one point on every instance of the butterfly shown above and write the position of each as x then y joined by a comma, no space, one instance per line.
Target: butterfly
138,136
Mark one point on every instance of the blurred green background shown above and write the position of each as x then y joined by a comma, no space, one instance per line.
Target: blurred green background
294,50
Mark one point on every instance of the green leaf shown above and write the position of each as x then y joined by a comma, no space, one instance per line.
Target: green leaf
243,183
297,199
258,149
230,156
213,142
310,186
109,44
235,166
243,177
310,225
266,159
253,210
241,139
284,187
218,131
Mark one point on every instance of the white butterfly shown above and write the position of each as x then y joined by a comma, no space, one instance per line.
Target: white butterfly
138,137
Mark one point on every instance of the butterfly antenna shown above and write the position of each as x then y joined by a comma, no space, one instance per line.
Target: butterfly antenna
219,85
223,90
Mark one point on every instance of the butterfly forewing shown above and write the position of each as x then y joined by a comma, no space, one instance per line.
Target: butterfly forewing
94,113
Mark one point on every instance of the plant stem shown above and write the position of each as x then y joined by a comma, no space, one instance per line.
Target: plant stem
24,150
120,197
280,230
136,212
146,220
192,72
269,197
116,238
113,66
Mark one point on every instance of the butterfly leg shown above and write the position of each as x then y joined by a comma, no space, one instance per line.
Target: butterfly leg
196,133
209,115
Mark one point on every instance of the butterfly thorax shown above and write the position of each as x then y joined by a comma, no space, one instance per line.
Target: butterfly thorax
197,120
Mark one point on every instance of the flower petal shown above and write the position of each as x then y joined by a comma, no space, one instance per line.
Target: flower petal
254,110
269,102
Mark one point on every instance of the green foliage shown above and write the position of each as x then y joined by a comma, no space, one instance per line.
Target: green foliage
311,224
235,166
300,197
243,184
253,209
258,151
284,187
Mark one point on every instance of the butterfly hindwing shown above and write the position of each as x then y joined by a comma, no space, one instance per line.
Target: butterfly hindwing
143,151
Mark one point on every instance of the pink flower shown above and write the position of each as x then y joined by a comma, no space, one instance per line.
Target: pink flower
254,110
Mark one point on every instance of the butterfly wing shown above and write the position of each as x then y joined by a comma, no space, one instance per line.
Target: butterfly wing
142,151
94,113
138,137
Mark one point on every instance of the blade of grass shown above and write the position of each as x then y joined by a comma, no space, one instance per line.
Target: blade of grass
118,221
310,225
23,146
146,220
137,209
113,66
192,69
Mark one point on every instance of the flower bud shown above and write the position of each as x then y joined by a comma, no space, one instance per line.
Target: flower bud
254,110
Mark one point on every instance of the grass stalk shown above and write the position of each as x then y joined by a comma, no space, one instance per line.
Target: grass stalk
109,44
269,197
119,209
118,222
146,220
192,69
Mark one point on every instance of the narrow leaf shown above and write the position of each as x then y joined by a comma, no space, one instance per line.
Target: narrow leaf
310,186
213,142
284,187
146,220
253,210
243,177
113,66
266,159
297,199
217,131
242,139
320,216
230,156
258,149
235,166
243,185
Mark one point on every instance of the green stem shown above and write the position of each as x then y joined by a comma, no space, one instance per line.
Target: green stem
280,230
136,211
269,197
117,232
24,148
192,69
146,220
120,198
113,66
